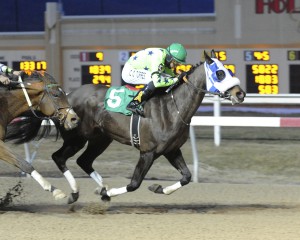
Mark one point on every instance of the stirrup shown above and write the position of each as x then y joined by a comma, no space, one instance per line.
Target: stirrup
136,109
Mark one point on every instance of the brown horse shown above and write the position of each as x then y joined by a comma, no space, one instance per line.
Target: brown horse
40,93
162,132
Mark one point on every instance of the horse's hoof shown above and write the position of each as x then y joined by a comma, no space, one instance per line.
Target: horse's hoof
156,188
73,197
59,194
98,190
104,195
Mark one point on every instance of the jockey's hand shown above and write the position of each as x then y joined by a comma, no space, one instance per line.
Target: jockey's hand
4,79
14,75
182,76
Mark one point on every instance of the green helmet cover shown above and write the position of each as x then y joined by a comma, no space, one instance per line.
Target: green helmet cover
178,52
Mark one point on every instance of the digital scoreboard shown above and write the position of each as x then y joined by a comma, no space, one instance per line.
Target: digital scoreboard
93,70
294,70
29,65
260,70
262,76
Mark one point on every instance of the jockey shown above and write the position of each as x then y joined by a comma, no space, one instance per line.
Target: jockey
5,74
155,68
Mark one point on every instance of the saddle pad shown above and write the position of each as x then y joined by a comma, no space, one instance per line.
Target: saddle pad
117,98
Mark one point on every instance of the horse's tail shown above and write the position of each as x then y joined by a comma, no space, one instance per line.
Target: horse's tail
28,127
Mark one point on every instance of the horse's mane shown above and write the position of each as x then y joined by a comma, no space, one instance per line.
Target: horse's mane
193,68
28,127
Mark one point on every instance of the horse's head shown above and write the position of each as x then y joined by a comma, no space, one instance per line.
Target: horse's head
51,100
221,80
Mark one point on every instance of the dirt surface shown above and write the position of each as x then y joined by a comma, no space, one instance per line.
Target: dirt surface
248,189
198,211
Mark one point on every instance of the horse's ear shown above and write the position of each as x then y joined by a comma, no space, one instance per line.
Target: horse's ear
213,54
207,58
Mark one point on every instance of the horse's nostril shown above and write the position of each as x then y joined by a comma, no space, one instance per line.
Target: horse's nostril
240,95
74,120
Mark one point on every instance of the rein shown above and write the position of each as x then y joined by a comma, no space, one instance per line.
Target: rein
224,95
28,99
61,117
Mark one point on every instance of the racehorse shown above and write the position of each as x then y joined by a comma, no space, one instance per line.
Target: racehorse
163,130
40,93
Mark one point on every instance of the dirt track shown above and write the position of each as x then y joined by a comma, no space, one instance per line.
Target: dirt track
198,211
243,195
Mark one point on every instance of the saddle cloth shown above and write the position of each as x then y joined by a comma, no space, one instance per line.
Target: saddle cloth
117,98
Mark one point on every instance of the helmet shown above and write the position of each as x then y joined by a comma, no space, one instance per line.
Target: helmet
178,52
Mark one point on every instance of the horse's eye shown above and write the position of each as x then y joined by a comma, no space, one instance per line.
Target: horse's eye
62,91
55,93
220,75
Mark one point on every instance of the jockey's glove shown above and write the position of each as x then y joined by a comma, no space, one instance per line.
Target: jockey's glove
182,76
14,75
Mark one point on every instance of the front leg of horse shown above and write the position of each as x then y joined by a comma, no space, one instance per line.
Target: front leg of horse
176,159
60,158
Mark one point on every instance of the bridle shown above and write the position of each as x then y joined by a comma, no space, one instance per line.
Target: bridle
224,95
47,88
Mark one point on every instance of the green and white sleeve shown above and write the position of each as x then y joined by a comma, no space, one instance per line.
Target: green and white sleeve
5,69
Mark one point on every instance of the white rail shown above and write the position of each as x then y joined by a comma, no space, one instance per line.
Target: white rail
217,121
254,99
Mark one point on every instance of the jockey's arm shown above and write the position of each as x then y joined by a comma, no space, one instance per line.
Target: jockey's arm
8,74
162,76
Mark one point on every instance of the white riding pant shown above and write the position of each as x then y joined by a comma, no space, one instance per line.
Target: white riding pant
135,76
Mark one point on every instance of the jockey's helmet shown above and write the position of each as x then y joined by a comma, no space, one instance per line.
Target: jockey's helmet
178,52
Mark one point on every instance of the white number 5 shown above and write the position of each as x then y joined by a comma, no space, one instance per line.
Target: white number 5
114,101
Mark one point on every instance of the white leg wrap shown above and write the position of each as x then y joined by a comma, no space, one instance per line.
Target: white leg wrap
43,182
97,177
73,184
170,189
116,191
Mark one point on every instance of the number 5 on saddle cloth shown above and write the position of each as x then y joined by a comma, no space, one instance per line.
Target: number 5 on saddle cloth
117,99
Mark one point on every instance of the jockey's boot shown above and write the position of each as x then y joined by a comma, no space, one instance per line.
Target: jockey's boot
136,105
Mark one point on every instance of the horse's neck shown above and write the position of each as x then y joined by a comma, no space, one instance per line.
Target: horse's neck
188,98
17,103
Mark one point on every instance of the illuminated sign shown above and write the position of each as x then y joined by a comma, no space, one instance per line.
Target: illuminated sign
276,6
231,67
221,55
183,68
293,55
29,65
91,56
250,55
262,78
96,74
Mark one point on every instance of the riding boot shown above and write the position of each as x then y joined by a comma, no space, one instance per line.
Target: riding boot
136,105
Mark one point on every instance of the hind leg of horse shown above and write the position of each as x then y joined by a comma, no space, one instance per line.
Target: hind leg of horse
95,147
176,159
144,164
60,157
7,156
